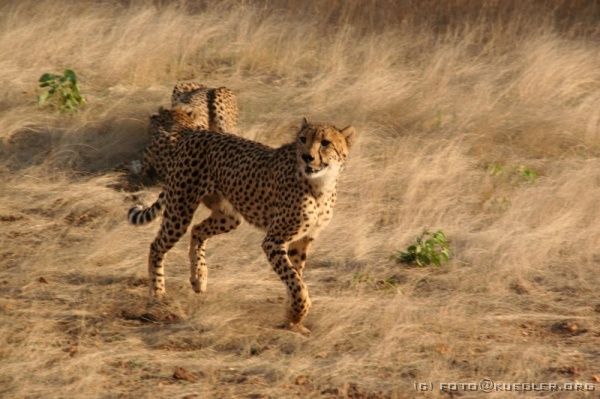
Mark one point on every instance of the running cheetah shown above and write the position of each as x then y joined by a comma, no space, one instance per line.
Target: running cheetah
194,106
288,192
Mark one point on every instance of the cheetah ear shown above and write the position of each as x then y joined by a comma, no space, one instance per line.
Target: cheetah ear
304,122
349,134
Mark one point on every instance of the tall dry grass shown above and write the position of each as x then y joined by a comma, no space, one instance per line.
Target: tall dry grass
438,92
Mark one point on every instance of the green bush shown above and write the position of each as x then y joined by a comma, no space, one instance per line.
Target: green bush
527,174
514,173
62,90
429,248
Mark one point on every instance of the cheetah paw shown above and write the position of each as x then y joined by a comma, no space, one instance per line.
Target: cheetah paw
295,327
199,286
157,296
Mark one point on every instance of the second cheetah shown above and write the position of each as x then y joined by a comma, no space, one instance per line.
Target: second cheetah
213,109
194,106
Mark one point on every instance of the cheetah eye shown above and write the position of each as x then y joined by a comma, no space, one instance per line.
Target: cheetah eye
325,143
303,139
189,113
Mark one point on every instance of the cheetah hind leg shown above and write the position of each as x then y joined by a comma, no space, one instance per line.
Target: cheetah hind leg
171,230
222,220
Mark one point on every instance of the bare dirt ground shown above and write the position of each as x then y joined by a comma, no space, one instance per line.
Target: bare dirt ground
454,102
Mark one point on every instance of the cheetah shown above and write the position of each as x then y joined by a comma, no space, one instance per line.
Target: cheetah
166,129
214,109
288,192
194,106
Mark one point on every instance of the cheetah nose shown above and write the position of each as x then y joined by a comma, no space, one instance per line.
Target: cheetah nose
307,158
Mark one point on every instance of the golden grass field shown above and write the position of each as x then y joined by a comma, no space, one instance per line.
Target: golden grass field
450,99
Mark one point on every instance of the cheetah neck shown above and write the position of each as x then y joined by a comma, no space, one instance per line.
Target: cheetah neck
324,183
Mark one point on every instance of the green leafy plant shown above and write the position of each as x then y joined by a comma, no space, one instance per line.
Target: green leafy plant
521,172
528,174
62,90
429,248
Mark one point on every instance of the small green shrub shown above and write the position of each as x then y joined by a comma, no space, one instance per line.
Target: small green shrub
429,248
514,173
62,90
527,174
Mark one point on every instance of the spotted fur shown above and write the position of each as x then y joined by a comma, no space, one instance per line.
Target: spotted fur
194,106
215,109
288,192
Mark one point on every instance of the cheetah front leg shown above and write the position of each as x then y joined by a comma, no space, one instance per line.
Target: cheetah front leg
297,252
217,223
275,249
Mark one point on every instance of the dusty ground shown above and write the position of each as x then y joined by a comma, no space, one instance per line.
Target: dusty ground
453,101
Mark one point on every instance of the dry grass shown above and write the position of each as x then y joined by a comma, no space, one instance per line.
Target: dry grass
437,90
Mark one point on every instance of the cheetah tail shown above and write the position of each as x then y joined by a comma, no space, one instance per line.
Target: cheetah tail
139,214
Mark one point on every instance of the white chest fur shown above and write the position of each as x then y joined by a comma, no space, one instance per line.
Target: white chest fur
321,213
324,182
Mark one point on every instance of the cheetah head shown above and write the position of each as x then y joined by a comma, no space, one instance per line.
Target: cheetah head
322,148
186,116
171,120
